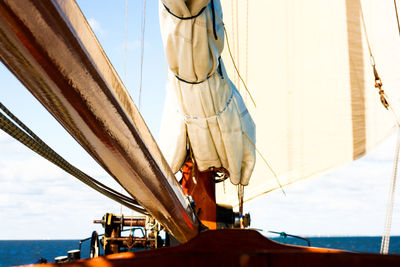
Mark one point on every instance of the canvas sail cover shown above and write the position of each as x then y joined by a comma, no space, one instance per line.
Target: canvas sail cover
307,66
203,108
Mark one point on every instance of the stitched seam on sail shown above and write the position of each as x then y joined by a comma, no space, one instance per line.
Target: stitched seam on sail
188,117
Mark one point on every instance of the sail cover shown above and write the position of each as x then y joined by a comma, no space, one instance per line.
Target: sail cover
203,109
307,66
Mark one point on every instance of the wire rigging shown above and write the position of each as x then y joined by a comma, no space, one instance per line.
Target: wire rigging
234,65
389,209
385,102
126,41
125,57
397,15
19,131
266,163
142,52
378,82
390,205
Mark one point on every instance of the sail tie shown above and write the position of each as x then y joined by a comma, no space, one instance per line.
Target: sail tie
198,14
213,20
189,82
219,70
184,18
24,135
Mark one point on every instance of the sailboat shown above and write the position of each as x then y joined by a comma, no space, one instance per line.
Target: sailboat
35,66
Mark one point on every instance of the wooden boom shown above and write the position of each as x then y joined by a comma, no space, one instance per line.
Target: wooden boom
50,48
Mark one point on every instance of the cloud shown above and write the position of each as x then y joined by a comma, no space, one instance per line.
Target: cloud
36,191
96,27
347,201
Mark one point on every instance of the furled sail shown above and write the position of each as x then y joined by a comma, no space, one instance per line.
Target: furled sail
203,108
307,66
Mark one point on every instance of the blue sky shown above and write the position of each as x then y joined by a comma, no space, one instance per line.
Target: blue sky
40,201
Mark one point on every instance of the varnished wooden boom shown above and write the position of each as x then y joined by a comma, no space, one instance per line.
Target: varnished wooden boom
50,47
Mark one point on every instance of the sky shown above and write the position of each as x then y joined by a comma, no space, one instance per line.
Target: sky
40,201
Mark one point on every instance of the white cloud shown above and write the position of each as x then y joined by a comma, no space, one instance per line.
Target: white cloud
347,201
37,192
96,27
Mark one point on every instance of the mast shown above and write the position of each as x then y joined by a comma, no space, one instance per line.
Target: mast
51,49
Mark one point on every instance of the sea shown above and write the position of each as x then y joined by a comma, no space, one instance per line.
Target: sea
21,252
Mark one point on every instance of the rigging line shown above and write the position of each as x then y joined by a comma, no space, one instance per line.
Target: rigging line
366,35
29,139
247,41
126,40
397,15
55,155
394,113
237,40
125,57
378,84
13,130
390,204
391,201
266,163
233,61
233,36
142,53
378,81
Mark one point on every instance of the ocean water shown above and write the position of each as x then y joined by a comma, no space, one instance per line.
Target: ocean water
18,252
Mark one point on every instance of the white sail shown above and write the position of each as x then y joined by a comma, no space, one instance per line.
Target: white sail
307,65
203,108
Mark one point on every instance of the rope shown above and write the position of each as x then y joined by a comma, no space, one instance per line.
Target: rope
378,82
247,41
391,200
126,40
25,136
233,36
266,163
390,204
125,57
397,15
237,40
185,18
142,52
385,102
189,82
237,71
